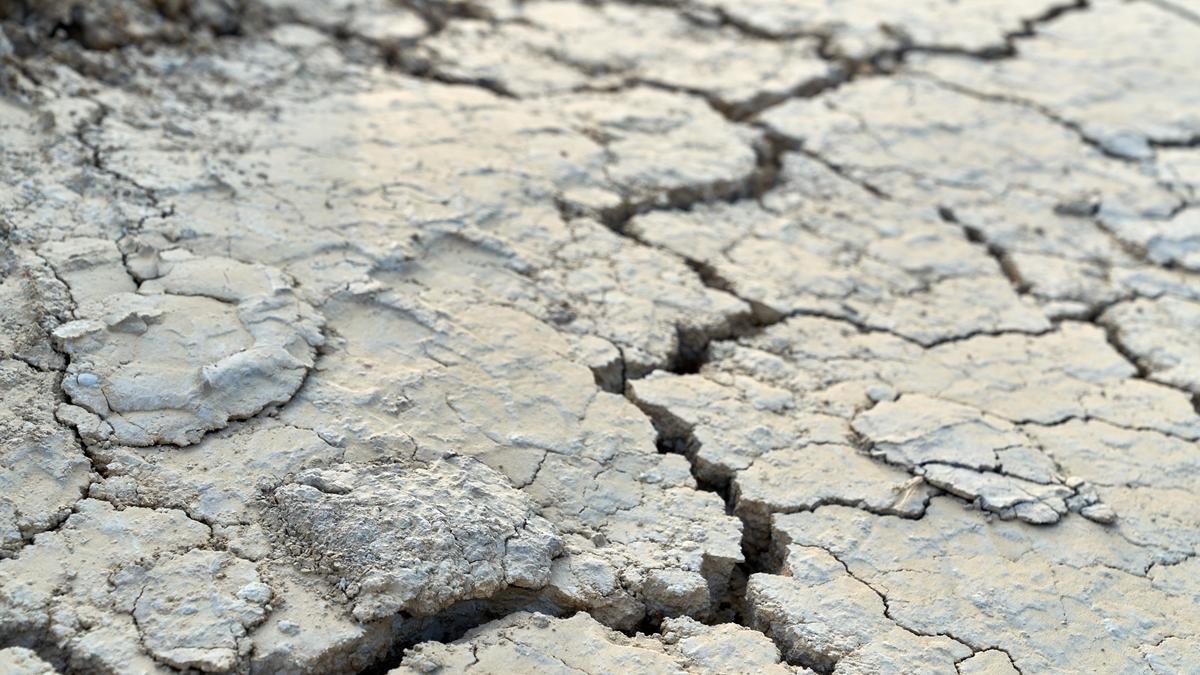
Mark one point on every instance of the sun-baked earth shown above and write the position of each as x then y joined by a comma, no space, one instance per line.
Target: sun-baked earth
560,336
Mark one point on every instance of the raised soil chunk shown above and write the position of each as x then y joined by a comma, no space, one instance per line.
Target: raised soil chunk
22,661
206,341
525,642
415,537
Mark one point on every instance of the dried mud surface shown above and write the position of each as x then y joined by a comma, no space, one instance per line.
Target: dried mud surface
686,336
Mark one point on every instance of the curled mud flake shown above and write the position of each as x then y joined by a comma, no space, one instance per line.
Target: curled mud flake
958,449
1141,475
813,412
772,453
477,379
207,341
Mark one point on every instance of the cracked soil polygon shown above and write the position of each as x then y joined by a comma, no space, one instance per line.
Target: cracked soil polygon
687,336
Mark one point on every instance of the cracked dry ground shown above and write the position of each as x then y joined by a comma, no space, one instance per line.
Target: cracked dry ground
706,336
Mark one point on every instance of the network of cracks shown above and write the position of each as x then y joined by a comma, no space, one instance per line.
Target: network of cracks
701,336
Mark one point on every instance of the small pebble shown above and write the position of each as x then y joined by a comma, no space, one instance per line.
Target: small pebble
881,392
255,592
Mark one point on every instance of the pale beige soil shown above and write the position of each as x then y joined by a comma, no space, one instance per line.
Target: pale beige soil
687,336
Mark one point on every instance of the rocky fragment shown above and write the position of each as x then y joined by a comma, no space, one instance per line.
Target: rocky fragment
1142,475
414,537
975,456
525,641
310,632
826,474
22,661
